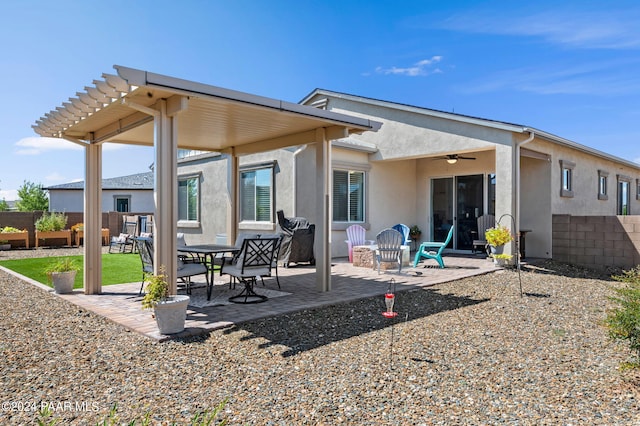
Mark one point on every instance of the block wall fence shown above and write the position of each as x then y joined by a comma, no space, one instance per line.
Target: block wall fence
27,220
597,241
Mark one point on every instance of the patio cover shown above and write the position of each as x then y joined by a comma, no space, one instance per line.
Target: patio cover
144,108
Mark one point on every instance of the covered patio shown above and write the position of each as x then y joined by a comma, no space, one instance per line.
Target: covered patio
121,303
140,107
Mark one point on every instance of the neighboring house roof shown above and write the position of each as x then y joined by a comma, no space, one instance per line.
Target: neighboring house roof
519,128
138,181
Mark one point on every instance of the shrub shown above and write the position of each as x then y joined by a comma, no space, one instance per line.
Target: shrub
51,222
10,230
624,320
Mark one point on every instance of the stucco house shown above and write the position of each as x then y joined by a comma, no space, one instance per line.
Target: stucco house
132,193
423,167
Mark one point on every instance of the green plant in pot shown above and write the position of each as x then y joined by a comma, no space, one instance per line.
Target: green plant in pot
170,311
415,232
497,237
62,274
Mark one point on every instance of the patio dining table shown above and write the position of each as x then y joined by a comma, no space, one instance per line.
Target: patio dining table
206,253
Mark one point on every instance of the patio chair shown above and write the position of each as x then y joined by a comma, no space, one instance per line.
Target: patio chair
484,222
356,237
186,269
404,230
274,263
389,243
255,260
433,250
125,241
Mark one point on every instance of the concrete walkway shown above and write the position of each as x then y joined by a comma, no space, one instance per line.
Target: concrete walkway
121,303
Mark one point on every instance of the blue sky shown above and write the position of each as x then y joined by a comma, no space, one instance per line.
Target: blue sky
571,68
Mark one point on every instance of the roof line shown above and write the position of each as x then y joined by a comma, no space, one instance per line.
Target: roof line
137,77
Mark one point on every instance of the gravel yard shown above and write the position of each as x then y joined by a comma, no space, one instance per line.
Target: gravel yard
466,352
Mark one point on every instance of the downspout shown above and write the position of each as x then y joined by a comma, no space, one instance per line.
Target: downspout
295,180
517,166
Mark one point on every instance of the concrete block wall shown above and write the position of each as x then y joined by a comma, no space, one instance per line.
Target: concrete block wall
597,241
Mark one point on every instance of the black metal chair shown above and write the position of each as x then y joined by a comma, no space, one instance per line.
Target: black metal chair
254,261
186,269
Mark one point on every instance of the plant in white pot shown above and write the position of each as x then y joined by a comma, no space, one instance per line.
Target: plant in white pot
62,274
497,237
170,312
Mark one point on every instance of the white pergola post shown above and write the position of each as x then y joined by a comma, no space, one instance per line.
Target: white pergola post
323,206
233,168
93,219
166,195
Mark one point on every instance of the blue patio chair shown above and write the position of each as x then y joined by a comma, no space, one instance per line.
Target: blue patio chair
433,250
404,230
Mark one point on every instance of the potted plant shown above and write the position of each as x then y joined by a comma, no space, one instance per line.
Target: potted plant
415,232
9,233
170,312
497,237
52,225
62,274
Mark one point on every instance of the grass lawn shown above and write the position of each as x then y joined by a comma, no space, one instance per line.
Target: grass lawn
116,268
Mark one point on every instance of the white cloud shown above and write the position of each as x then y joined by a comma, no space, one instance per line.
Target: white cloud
420,68
41,145
55,177
9,194
593,29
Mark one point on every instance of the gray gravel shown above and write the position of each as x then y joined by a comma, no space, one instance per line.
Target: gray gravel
467,352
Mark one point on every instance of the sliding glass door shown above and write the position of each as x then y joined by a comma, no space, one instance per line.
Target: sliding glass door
457,201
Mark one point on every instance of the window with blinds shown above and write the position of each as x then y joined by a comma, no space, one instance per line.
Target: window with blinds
188,198
256,189
348,196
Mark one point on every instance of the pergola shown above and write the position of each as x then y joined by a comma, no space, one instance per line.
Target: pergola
142,108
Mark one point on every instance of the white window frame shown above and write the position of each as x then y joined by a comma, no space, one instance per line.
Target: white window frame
352,168
603,183
566,178
258,224
186,222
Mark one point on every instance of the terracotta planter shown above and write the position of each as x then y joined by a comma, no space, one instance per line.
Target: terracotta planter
64,234
16,236
171,314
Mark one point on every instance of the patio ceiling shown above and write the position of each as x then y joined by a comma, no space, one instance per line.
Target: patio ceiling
143,108
118,107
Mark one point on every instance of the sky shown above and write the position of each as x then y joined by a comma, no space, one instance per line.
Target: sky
570,68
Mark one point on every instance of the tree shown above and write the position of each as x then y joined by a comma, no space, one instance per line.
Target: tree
32,197
4,206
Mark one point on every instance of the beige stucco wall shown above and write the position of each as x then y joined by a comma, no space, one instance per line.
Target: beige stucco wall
585,181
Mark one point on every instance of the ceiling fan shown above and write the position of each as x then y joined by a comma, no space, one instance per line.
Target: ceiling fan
453,158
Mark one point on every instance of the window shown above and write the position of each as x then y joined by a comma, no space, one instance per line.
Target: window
122,203
602,185
348,196
566,168
637,189
189,198
256,194
624,195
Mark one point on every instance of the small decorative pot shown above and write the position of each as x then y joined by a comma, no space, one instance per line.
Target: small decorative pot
171,314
